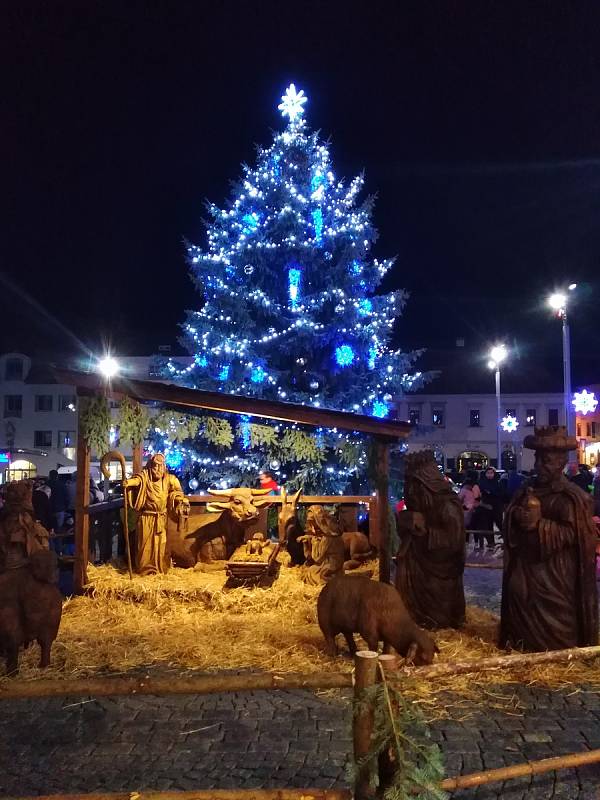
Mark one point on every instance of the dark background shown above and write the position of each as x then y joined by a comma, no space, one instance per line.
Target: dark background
478,125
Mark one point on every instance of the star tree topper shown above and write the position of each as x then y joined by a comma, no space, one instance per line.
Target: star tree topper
292,102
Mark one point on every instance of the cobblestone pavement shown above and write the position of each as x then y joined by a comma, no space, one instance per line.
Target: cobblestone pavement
274,739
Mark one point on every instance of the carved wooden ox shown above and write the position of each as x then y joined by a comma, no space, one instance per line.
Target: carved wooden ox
213,536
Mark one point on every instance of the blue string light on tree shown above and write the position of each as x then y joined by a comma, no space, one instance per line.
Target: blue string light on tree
365,307
317,216
251,221
201,361
245,431
344,355
258,375
380,409
294,275
174,459
224,373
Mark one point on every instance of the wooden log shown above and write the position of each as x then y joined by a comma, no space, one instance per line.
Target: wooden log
381,462
82,498
206,794
305,499
195,684
497,662
365,675
183,398
520,770
473,565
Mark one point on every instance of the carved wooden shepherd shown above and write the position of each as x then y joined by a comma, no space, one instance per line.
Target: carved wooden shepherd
114,455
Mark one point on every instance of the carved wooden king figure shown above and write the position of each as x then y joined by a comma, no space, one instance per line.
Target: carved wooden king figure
549,592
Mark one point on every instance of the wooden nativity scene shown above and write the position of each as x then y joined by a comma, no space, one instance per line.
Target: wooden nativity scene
215,581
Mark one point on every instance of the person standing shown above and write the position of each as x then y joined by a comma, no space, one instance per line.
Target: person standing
549,592
58,500
470,497
158,491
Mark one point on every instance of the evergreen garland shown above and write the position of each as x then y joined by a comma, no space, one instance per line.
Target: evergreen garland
96,423
134,422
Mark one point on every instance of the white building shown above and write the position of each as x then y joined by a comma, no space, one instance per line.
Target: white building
39,427
461,428
39,424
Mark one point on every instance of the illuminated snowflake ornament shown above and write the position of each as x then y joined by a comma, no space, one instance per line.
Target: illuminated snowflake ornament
584,402
292,102
509,424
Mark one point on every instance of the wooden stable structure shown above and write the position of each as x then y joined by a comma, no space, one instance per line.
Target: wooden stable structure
182,399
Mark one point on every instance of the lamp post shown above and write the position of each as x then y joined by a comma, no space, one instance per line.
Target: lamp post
108,367
558,302
497,356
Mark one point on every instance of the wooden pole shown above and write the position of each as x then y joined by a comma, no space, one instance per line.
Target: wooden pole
136,458
82,495
381,463
365,675
520,770
194,684
499,662
206,794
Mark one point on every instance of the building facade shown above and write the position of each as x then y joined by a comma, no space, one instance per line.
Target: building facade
461,428
39,425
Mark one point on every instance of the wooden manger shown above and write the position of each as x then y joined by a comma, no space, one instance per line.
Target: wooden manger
244,566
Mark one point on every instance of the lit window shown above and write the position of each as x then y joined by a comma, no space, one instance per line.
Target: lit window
414,416
67,402
474,418
530,417
437,417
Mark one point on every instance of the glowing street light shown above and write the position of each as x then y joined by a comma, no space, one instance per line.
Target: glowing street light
558,301
498,354
108,367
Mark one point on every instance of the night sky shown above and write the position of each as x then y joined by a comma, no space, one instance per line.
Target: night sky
477,124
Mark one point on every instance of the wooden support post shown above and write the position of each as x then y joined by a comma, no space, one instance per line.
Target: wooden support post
387,759
381,464
137,458
82,496
365,675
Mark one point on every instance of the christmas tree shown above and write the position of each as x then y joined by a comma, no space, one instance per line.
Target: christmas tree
290,312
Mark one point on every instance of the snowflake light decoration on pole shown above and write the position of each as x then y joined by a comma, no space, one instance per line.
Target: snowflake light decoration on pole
509,424
292,102
584,402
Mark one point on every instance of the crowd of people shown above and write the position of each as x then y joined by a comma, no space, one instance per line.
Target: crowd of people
53,500
486,495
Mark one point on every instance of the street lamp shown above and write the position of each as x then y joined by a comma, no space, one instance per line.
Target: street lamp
497,355
108,367
558,302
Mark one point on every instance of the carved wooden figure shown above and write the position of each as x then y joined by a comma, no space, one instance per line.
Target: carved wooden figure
549,591
323,547
212,537
352,604
431,558
289,527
